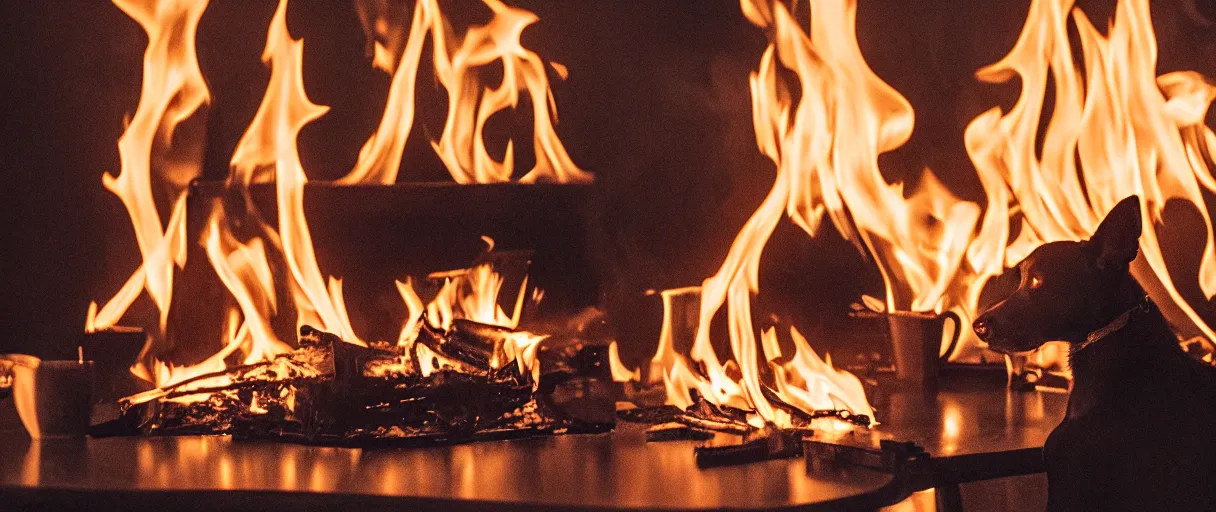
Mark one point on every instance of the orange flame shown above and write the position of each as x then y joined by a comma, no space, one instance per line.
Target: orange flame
173,90
246,273
814,154
267,151
270,140
473,294
1130,132
471,103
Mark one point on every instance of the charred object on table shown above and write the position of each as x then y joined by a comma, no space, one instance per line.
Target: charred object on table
471,382
730,438
758,445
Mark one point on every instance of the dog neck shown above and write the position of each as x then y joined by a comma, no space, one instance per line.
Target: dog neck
1111,360
1110,328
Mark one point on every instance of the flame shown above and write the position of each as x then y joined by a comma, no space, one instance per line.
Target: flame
828,151
811,383
825,148
271,139
1129,131
170,250
414,310
620,372
380,157
246,273
471,102
473,294
267,152
173,90
166,374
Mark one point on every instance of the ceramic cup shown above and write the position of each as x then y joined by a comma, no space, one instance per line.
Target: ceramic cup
53,398
918,339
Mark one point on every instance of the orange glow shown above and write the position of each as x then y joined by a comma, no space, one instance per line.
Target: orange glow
471,102
246,273
284,111
267,152
823,161
413,316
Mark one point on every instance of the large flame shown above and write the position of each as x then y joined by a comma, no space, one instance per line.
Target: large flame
471,102
267,152
271,139
1116,129
825,148
173,90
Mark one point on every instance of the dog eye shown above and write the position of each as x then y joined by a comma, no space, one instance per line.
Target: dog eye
1035,282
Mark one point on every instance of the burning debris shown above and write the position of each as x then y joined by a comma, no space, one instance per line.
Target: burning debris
459,370
472,382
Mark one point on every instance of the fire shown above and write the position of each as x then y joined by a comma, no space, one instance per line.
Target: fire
471,102
267,152
823,163
473,294
246,273
271,140
1116,129
173,91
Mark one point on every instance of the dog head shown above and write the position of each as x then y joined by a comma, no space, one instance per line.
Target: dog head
1067,289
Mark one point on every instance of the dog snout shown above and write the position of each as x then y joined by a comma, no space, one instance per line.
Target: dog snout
983,327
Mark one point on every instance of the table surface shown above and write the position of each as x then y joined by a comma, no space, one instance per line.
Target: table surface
606,471
969,432
974,428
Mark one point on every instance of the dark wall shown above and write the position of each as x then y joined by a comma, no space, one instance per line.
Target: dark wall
656,104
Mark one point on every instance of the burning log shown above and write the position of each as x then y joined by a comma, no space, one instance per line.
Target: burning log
707,416
471,382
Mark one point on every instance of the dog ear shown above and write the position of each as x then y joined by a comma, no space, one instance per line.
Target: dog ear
1117,239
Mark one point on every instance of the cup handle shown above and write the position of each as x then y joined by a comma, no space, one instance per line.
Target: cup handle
958,331
6,377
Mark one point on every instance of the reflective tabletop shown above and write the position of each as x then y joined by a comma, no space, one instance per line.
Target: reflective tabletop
617,470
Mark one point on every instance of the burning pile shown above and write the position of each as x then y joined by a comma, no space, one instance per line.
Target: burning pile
459,369
471,382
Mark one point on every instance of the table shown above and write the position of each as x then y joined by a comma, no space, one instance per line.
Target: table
974,430
617,470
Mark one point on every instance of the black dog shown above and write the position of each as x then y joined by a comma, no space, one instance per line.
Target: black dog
1140,433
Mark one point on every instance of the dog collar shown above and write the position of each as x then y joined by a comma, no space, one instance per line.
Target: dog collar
1118,323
